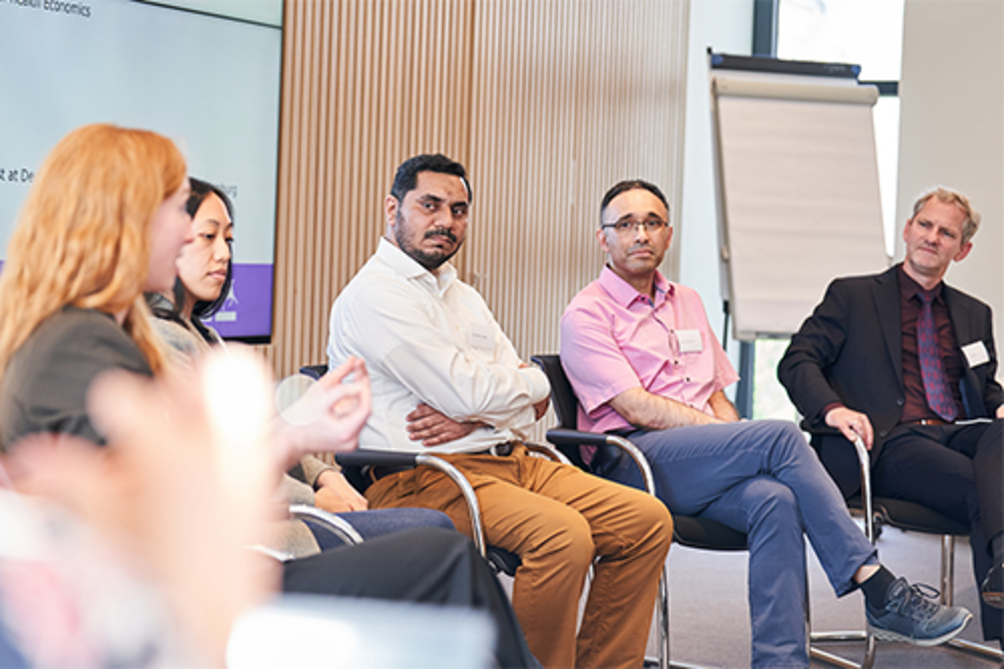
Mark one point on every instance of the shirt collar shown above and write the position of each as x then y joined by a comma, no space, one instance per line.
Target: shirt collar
407,267
908,288
159,301
625,294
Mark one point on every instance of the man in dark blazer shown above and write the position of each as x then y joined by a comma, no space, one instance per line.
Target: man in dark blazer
918,388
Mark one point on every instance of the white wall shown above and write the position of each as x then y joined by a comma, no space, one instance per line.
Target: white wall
951,128
727,27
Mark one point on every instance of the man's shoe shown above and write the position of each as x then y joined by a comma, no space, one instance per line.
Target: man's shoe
992,587
912,615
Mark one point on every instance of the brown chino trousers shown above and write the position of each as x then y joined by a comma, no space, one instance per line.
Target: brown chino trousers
558,519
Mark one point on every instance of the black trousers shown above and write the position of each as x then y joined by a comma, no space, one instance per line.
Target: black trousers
428,565
957,471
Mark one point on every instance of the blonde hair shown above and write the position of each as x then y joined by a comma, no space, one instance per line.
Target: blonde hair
949,196
83,236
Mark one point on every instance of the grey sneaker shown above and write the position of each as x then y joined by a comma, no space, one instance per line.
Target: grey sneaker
912,615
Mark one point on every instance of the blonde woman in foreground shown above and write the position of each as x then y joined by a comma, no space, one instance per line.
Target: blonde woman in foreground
104,222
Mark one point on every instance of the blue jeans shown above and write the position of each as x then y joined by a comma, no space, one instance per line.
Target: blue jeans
378,522
761,478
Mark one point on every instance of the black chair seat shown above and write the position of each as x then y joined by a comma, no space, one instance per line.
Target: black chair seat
910,516
690,531
696,532
502,561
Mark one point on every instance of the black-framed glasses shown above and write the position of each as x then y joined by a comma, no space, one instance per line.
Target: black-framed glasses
627,226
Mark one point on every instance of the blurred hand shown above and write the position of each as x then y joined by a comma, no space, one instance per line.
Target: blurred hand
178,486
433,427
336,495
344,407
851,424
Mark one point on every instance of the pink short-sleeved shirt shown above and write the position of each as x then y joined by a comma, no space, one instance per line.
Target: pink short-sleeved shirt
614,338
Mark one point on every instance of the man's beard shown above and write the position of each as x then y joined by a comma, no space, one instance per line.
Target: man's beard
429,260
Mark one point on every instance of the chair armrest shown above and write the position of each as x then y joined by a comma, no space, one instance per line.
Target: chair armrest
864,464
547,452
561,435
373,458
566,436
340,527
314,371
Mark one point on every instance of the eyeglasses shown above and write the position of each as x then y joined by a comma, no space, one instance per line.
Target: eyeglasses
627,226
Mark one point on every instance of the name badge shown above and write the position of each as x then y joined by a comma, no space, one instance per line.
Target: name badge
690,341
482,336
976,353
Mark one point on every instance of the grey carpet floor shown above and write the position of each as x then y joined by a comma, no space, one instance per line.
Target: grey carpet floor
709,617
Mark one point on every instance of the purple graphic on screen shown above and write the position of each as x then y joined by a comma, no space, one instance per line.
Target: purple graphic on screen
247,311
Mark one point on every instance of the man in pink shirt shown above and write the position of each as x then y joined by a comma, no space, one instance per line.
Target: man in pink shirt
645,364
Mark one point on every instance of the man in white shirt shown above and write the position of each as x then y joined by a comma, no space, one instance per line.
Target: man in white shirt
446,379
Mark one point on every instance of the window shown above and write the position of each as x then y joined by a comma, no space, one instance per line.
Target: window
868,33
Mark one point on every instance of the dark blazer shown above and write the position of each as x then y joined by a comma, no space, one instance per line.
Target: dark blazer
850,351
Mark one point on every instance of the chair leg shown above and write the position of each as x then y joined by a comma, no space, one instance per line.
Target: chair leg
662,604
836,660
947,569
829,658
869,657
948,599
662,625
646,472
663,618
987,652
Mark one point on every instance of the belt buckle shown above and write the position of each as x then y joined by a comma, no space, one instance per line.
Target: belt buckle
494,449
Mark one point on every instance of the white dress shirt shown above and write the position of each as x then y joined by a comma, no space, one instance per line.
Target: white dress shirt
431,338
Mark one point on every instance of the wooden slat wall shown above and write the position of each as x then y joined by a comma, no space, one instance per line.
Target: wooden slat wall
547,102
569,97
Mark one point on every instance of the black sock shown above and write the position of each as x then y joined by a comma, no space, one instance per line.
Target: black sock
876,586
997,547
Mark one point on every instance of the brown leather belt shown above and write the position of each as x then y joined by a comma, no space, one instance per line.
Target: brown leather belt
498,450
928,421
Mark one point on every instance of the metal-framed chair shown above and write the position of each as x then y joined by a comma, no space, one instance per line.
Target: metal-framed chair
500,560
907,516
692,532
340,527
688,531
354,462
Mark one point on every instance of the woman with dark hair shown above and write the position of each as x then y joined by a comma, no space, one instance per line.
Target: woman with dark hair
205,272
105,221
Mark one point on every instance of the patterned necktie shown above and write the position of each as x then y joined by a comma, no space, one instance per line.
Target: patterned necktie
939,395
